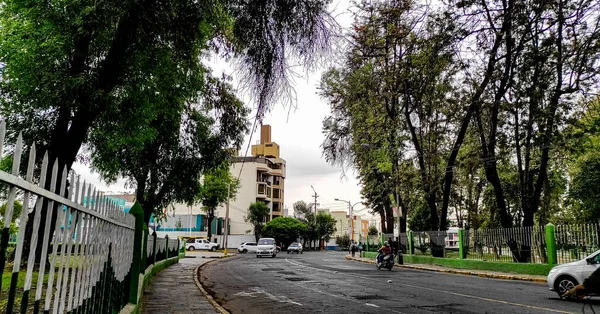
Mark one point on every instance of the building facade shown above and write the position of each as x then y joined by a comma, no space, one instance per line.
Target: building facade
262,179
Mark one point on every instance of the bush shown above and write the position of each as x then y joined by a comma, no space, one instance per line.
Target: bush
343,241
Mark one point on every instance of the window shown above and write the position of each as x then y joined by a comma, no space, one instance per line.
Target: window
276,207
266,242
276,193
192,240
250,244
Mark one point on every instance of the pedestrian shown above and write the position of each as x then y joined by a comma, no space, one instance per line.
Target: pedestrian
353,248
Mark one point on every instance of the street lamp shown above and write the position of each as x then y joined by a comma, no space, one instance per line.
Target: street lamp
350,220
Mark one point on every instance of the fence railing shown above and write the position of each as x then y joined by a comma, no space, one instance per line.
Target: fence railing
78,255
575,242
520,244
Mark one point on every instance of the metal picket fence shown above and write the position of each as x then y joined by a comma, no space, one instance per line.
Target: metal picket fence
575,242
519,244
85,259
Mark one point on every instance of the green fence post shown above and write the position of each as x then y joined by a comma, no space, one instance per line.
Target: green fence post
381,240
166,247
461,243
411,243
138,235
551,245
145,248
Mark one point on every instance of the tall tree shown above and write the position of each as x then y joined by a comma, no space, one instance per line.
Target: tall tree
218,185
258,214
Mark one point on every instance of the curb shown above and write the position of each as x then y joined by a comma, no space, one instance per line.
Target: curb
457,272
204,292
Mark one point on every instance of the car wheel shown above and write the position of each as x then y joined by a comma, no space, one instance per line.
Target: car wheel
191,248
214,248
273,256
564,284
245,251
301,252
288,252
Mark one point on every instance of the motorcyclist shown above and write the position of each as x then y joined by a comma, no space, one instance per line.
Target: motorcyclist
383,251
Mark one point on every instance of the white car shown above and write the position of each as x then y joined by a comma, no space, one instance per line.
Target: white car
201,244
266,247
564,277
246,247
295,247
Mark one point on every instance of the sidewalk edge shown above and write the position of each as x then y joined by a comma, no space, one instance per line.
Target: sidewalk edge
209,297
457,271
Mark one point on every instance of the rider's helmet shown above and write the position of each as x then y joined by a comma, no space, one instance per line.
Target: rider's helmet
386,243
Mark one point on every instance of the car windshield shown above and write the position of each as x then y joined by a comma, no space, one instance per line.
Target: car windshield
293,245
265,242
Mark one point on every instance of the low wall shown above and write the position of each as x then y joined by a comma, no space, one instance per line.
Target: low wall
514,268
144,281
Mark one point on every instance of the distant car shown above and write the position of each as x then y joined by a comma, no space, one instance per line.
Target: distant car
295,248
201,244
564,277
246,247
266,247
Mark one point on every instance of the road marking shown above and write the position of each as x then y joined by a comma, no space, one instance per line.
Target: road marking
371,304
445,292
258,290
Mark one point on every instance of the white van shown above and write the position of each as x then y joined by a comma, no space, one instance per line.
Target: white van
266,247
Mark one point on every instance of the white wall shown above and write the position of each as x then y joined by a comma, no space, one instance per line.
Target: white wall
246,195
235,240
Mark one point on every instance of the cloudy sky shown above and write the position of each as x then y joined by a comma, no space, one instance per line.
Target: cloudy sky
299,133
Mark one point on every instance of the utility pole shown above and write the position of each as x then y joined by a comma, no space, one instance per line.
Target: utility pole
315,196
227,220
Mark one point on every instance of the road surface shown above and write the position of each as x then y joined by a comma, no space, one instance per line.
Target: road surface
325,282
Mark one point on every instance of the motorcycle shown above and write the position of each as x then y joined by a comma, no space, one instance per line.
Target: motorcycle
387,262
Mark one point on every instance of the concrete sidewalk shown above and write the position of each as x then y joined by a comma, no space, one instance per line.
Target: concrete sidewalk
480,273
174,290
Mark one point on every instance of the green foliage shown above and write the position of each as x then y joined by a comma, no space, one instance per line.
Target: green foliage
17,208
373,231
284,230
258,213
343,241
418,219
217,186
304,213
584,188
325,226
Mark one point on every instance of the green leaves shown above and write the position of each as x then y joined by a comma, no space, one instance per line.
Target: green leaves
258,213
285,230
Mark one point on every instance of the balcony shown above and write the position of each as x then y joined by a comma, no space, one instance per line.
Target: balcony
263,191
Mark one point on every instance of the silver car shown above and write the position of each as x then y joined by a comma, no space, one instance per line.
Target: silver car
266,247
564,277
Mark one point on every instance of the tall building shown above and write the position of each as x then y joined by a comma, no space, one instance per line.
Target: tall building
262,179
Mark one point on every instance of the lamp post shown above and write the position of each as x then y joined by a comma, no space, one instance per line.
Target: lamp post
227,220
350,219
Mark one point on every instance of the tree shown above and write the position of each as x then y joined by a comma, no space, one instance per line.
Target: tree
584,189
285,230
343,241
325,226
218,185
258,213
373,231
179,225
76,67
189,138
304,212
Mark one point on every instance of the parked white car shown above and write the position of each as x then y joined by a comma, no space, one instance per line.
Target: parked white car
266,247
564,277
295,248
246,247
201,244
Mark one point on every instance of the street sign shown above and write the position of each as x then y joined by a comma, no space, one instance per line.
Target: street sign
396,214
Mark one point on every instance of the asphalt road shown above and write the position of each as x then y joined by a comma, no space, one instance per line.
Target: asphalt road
325,282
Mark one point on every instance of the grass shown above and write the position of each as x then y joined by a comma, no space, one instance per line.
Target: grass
6,279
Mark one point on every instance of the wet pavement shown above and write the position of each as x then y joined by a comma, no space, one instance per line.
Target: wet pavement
173,290
325,282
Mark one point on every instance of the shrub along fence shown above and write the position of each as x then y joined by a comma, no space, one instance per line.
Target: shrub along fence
84,254
541,245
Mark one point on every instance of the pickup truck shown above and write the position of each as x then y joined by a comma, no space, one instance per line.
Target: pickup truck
201,244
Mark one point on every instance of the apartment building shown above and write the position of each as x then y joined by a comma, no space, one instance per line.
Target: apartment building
262,179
